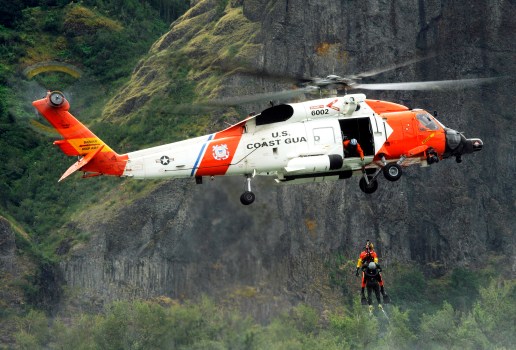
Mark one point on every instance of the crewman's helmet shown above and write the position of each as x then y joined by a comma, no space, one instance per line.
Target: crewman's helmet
353,142
369,245
372,266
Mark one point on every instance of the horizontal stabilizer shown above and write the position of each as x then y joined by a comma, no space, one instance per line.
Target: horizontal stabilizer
80,163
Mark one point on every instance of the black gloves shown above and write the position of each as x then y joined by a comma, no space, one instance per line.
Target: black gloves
356,274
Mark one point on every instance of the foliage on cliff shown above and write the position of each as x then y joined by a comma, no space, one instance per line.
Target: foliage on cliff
183,67
101,41
164,323
104,40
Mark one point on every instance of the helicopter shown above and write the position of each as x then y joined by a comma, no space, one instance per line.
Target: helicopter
292,142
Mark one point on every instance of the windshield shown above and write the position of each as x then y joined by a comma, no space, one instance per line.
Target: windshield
426,121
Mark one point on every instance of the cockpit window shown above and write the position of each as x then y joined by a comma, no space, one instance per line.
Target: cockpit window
426,122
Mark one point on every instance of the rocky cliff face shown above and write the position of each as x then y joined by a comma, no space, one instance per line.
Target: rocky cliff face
14,268
183,239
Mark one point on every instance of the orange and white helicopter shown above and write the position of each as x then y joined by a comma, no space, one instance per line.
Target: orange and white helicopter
293,142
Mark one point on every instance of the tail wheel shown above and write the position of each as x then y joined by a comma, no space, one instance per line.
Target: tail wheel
247,198
370,187
392,171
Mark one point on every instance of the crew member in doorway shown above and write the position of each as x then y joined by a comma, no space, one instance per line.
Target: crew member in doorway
352,149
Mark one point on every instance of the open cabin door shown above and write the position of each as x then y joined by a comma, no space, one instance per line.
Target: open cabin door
360,129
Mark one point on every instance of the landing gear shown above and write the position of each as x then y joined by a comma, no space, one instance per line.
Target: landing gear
432,157
392,171
247,197
368,183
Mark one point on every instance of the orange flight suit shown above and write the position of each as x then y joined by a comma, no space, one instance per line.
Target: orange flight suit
352,149
365,258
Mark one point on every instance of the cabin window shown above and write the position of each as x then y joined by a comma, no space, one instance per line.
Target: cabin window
279,113
324,136
426,122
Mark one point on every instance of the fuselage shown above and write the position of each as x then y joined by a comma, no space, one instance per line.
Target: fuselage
298,142
292,140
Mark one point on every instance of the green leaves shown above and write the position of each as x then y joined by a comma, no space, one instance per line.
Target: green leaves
165,323
495,312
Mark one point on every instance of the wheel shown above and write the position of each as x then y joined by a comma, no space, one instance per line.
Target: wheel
368,188
392,171
247,198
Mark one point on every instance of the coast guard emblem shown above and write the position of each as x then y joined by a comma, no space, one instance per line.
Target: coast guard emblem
220,152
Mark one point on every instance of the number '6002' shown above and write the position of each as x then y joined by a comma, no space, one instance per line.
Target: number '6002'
321,111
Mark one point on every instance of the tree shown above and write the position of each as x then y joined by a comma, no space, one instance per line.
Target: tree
355,327
438,330
495,313
399,334
33,330
10,12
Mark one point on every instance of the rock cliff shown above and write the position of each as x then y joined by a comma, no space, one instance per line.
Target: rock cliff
14,269
182,239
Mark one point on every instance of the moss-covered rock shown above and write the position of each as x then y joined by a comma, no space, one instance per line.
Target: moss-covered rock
200,42
80,20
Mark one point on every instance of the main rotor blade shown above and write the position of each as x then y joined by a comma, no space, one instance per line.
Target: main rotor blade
271,76
426,85
240,100
377,71
245,68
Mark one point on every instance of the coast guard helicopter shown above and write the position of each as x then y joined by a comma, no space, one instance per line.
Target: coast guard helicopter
293,142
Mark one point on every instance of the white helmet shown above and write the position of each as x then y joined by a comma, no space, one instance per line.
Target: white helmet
372,266
353,142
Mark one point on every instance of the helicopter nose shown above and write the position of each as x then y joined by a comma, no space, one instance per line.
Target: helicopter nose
468,146
474,145
457,145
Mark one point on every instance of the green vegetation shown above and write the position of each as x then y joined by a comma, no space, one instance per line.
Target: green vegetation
164,85
99,42
104,39
159,120
205,325
454,311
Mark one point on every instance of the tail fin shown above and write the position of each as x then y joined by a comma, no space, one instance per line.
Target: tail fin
96,157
